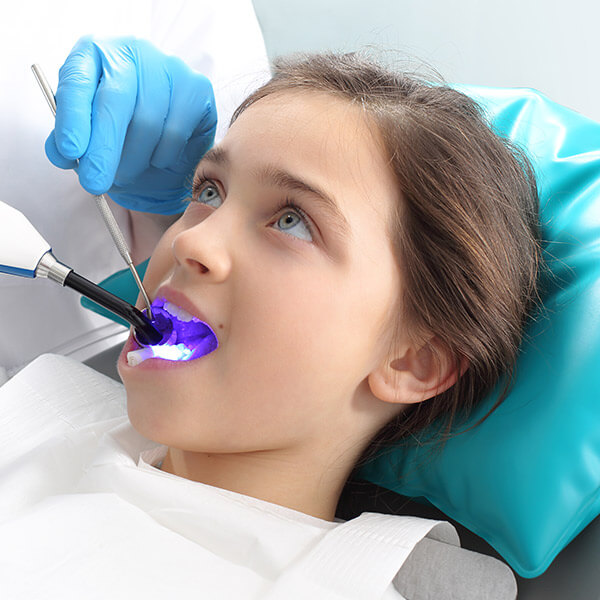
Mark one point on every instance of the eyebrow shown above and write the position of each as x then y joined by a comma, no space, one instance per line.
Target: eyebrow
269,174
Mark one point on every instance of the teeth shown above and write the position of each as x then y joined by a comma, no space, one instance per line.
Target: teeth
177,311
178,352
135,357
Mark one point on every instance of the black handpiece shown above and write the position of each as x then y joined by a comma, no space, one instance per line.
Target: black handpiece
145,332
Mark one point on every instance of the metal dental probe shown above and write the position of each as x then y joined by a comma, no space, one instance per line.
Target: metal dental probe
101,203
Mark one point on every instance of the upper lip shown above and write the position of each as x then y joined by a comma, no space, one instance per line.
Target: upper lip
178,298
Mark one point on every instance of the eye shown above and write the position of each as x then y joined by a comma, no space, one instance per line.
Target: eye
293,209
205,191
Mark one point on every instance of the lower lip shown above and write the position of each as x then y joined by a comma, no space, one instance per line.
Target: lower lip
150,364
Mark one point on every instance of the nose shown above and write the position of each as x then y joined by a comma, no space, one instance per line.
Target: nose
203,248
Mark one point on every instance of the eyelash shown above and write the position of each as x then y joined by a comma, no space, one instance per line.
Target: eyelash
200,179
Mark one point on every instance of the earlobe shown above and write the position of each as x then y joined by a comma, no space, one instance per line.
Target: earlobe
416,376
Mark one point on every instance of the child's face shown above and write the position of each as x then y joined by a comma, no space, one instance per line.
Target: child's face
302,318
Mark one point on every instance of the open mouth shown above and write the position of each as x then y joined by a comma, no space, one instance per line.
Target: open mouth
185,337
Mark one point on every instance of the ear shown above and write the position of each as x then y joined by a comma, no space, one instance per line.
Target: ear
419,374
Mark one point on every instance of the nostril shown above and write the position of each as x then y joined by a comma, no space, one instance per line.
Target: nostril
196,265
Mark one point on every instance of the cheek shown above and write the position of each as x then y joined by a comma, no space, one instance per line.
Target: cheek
293,333
325,327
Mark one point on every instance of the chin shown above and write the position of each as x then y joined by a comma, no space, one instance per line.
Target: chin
147,418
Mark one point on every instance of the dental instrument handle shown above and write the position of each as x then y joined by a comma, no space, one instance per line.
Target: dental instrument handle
46,89
144,330
121,245
21,244
51,268
24,252
101,203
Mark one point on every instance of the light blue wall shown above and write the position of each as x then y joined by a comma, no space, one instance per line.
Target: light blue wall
550,45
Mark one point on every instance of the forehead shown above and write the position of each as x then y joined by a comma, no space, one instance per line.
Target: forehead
328,140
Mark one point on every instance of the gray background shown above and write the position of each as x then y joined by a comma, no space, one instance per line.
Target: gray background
548,45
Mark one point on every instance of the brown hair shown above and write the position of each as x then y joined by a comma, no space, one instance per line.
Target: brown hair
466,235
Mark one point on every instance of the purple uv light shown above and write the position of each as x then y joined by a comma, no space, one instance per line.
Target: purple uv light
196,336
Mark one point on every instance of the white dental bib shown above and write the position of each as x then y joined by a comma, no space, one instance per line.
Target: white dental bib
84,514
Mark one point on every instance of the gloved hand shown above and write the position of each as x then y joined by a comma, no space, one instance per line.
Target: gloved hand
137,120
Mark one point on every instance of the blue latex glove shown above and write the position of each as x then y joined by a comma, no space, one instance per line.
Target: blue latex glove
137,120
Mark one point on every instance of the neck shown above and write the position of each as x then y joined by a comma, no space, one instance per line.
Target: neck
305,484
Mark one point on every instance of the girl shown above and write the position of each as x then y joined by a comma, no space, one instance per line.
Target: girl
390,290
366,250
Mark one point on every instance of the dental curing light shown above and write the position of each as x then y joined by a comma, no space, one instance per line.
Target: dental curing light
24,252
185,337
171,334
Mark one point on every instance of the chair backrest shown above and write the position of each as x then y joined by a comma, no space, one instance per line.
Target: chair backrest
527,480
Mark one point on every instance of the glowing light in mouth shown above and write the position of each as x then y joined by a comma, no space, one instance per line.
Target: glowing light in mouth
185,337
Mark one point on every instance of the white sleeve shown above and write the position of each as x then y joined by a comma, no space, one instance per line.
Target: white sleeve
221,40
